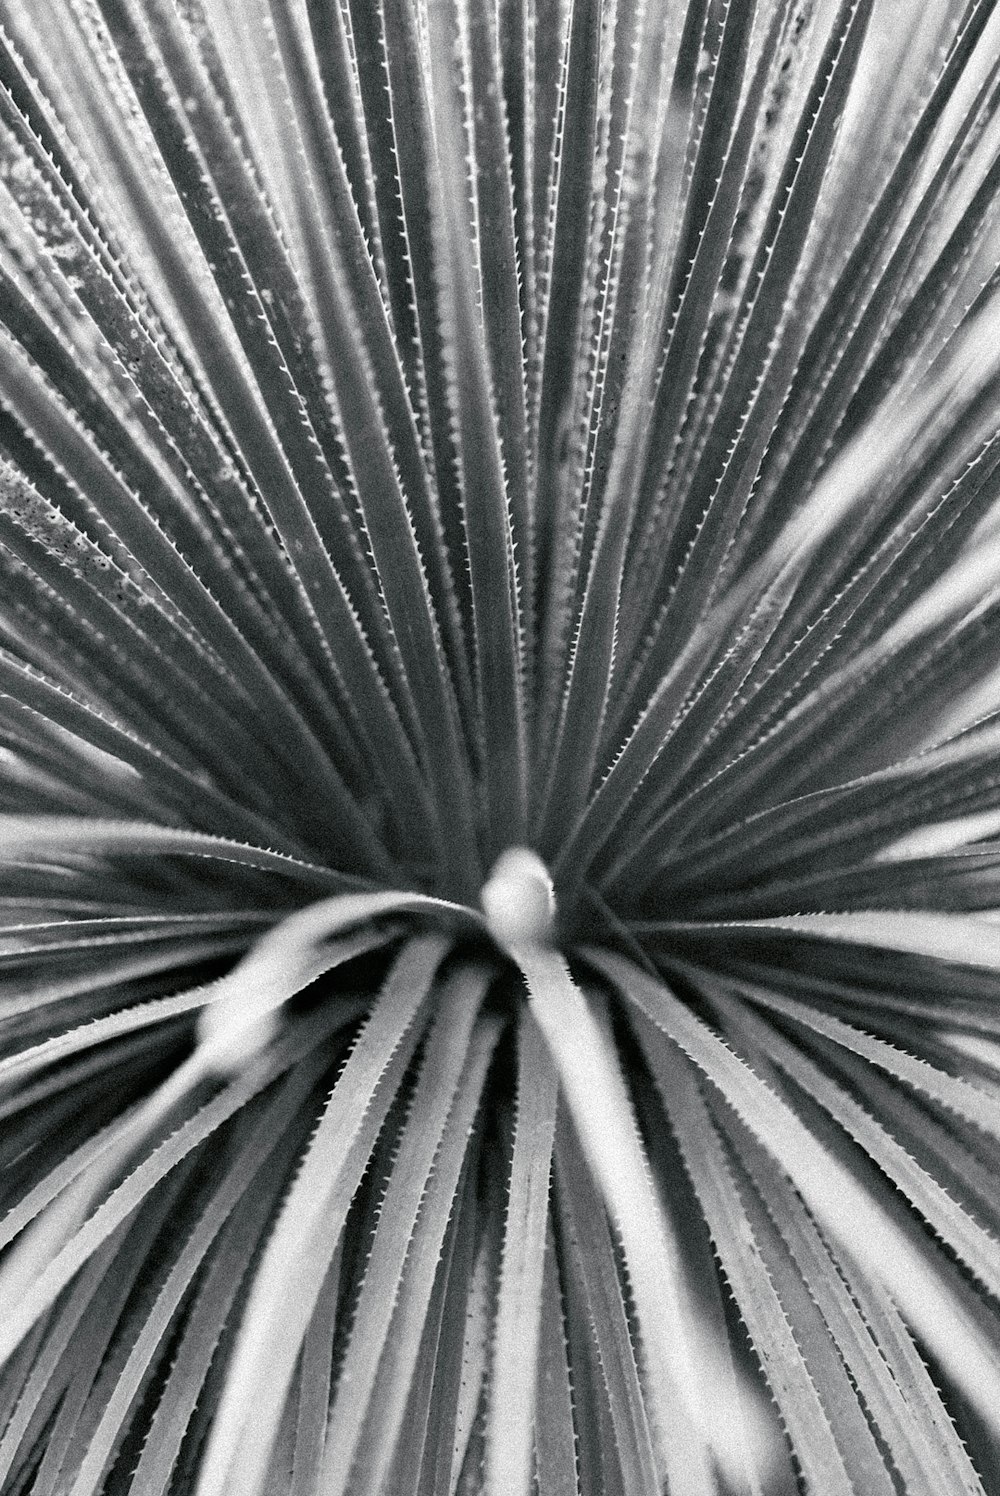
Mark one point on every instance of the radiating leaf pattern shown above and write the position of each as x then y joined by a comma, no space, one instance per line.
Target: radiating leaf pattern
439,429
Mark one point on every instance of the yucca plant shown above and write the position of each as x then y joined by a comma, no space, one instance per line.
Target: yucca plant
499,718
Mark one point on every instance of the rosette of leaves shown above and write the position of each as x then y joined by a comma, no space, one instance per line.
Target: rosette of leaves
499,712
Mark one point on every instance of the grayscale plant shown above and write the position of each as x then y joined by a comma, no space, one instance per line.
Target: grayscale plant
499,723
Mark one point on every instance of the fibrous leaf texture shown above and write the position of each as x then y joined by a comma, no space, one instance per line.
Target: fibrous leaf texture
499,714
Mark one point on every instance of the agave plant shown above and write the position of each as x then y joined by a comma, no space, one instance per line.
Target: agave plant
500,705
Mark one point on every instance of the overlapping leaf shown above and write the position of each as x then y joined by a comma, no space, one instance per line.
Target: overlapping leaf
433,426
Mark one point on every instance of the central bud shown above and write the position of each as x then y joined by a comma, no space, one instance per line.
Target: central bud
518,899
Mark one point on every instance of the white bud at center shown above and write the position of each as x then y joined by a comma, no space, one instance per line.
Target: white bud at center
518,899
